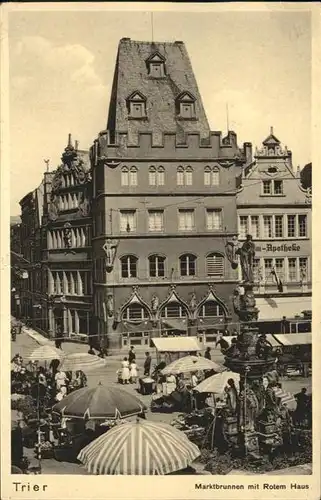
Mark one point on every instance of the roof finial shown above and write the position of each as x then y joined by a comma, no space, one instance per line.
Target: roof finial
271,130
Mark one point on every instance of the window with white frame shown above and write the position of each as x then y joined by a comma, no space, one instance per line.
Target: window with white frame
292,269
129,266
256,270
156,266
268,267
187,265
291,226
156,176
184,176
133,176
173,310
302,226
303,268
124,176
213,219
134,312
255,226
188,176
180,176
186,220
211,176
128,221
211,308
156,220
272,187
243,226
267,226
152,176
215,265
278,226
279,268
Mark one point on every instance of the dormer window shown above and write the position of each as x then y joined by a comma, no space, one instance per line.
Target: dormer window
156,65
136,105
185,106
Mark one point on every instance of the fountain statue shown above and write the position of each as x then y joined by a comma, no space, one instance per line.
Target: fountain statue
251,356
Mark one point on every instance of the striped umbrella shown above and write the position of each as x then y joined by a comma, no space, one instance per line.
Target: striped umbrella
139,448
189,364
45,352
81,361
216,383
286,397
100,402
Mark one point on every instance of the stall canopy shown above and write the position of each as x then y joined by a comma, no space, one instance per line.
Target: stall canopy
177,344
287,339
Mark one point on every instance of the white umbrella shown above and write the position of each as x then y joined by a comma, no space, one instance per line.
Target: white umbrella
81,361
45,353
139,448
216,383
189,364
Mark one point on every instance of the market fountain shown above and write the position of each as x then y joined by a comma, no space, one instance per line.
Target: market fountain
253,426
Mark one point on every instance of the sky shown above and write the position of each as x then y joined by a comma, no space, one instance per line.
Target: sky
61,67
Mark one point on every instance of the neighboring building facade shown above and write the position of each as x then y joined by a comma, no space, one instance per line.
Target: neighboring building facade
273,206
164,204
66,258
29,289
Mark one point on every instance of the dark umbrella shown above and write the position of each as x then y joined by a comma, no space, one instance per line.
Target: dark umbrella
99,403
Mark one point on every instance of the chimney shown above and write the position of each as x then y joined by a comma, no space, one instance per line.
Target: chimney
69,141
298,171
247,147
271,130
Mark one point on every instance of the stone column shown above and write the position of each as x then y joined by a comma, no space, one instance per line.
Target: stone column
51,322
65,321
77,323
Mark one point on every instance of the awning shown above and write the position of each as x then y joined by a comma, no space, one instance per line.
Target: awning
210,324
286,339
174,324
177,344
143,326
274,308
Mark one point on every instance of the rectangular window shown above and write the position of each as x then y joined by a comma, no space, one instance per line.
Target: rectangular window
278,187
267,187
213,219
303,268
133,177
215,265
268,266
152,177
161,177
279,268
256,269
188,177
267,226
291,226
186,220
180,177
292,269
207,177
255,226
278,221
156,220
124,177
243,230
128,221
302,226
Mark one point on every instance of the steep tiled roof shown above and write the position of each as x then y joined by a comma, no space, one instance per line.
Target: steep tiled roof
131,75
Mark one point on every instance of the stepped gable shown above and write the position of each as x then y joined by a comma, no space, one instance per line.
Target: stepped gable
160,93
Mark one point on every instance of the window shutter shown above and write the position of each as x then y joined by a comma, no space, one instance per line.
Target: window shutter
215,265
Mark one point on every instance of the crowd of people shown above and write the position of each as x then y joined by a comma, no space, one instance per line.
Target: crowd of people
49,384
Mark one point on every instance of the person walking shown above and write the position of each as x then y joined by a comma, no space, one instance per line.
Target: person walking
131,355
207,354
147,364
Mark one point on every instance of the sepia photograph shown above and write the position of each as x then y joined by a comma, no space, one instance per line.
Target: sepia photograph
160,243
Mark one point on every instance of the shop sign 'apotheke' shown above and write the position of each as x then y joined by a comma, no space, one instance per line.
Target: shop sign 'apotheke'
271,247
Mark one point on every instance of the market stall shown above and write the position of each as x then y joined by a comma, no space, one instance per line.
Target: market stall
171,348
